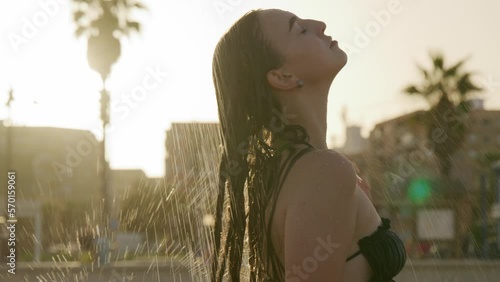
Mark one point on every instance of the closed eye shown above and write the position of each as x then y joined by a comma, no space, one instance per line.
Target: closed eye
302,26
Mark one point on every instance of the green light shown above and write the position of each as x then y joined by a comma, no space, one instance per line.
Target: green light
419,191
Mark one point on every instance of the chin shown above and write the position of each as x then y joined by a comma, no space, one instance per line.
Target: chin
339,62
342,57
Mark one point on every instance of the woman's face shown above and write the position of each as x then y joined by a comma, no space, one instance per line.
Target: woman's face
309,53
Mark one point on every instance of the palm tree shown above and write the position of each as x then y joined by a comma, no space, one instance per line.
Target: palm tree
447,90
103,23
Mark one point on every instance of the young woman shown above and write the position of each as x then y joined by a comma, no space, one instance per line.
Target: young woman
285,200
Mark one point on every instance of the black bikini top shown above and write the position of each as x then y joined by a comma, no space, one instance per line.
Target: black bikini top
383,249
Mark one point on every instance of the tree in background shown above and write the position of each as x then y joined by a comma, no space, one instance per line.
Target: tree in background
104,23
448,90
166,214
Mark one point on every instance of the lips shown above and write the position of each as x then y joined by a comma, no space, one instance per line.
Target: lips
332,42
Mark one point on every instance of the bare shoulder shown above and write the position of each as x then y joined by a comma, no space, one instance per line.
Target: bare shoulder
321,215
322,174
327,166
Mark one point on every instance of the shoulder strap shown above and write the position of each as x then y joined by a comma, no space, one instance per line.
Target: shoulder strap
291,159
353,255
295,154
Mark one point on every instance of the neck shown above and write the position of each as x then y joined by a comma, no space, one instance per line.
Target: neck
307,107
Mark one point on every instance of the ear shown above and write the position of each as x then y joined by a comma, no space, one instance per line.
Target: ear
281,80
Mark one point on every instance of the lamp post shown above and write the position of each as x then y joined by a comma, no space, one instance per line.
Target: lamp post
103,162
104,23
103,241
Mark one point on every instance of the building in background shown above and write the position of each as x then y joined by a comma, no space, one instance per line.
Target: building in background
390,144
192,151
52,163
401,147
355,148
124,181
404,174
354,144
56,182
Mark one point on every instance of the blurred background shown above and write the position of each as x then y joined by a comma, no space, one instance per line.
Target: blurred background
108,117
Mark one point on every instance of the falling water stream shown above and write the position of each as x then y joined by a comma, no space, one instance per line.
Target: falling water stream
175,214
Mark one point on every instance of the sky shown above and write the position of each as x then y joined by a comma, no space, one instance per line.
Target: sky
164,73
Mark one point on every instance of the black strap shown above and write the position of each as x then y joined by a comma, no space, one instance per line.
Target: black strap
289,162
354,255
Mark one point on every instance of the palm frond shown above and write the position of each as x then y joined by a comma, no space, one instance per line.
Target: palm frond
424,72
446,89
81,30
438,61
78,15
465,85
452,71
139,5
412,90
132,25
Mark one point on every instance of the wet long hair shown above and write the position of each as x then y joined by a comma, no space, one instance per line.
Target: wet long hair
252,130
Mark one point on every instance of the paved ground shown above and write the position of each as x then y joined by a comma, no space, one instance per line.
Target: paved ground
111,275
169,271
126,271
450,271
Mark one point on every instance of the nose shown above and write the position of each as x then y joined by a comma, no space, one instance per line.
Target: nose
321,27
318,26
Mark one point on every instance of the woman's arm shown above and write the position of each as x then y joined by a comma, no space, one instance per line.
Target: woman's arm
320,218
365,187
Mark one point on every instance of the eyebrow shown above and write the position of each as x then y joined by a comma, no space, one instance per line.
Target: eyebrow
292,20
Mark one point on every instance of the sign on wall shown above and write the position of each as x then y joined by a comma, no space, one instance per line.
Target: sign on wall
435,224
